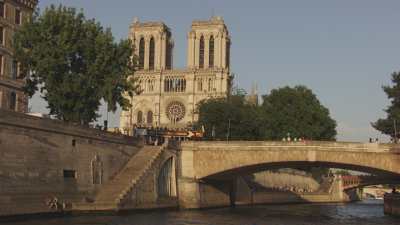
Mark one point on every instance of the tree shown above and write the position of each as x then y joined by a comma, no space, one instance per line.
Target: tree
75,62
285,110
230,116
386,126
298,112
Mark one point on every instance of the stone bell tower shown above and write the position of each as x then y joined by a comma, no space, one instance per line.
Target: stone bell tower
169,97
153,45
208,44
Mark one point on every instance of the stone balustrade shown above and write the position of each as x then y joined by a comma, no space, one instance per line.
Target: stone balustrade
311,145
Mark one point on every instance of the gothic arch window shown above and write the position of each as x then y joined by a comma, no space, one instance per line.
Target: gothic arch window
201,52
200,84
168,54
175,84
211,52
141,53
141,86
151,54
150,85
149,117
145,85
13,101
210,84
166,85
139,118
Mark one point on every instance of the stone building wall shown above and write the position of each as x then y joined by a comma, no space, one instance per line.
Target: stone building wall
42,158
13,13
392,204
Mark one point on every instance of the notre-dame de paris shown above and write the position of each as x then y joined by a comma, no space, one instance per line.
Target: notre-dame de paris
169,96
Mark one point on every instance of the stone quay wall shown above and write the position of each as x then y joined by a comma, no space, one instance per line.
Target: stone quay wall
392,204
42,159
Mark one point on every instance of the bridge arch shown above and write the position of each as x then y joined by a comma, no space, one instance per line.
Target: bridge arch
222,159
166,180
254,168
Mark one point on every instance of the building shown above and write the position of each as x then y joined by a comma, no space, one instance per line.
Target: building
252,98
169,96
13,13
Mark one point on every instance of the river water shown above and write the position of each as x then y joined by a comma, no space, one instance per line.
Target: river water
364,213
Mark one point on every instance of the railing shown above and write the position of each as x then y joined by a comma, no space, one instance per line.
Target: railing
310,145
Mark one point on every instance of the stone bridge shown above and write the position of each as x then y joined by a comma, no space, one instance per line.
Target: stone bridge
209,169
351,182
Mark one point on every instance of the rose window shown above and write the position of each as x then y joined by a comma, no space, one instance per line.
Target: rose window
175,111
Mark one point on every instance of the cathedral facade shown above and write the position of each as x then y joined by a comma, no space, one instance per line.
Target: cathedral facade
169,96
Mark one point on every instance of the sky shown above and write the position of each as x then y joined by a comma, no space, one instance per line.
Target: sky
344,50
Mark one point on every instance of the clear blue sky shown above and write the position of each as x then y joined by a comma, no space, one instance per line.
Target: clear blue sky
344,50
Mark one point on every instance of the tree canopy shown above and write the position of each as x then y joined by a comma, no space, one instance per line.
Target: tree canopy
386,126
230,116
296,111
285,110
75,63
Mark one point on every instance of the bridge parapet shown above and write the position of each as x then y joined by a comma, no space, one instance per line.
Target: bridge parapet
351,181
202,159
277,145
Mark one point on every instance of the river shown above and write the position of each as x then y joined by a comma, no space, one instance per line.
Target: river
364,213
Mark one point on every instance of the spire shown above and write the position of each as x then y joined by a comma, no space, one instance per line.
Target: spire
135,20
254,88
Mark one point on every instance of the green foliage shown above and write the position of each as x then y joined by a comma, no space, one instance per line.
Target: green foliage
75,62
296,111
233,114
286,110
386,126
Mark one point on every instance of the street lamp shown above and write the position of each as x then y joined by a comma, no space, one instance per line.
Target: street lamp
229,130
395,131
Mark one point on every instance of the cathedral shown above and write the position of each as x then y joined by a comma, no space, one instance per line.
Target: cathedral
169,96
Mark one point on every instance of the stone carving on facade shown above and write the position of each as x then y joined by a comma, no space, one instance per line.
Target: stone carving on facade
175,111
97,170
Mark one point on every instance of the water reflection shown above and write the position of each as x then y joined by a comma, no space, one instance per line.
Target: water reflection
366,213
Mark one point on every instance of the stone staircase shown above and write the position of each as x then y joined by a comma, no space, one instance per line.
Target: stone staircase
113,192
326,186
